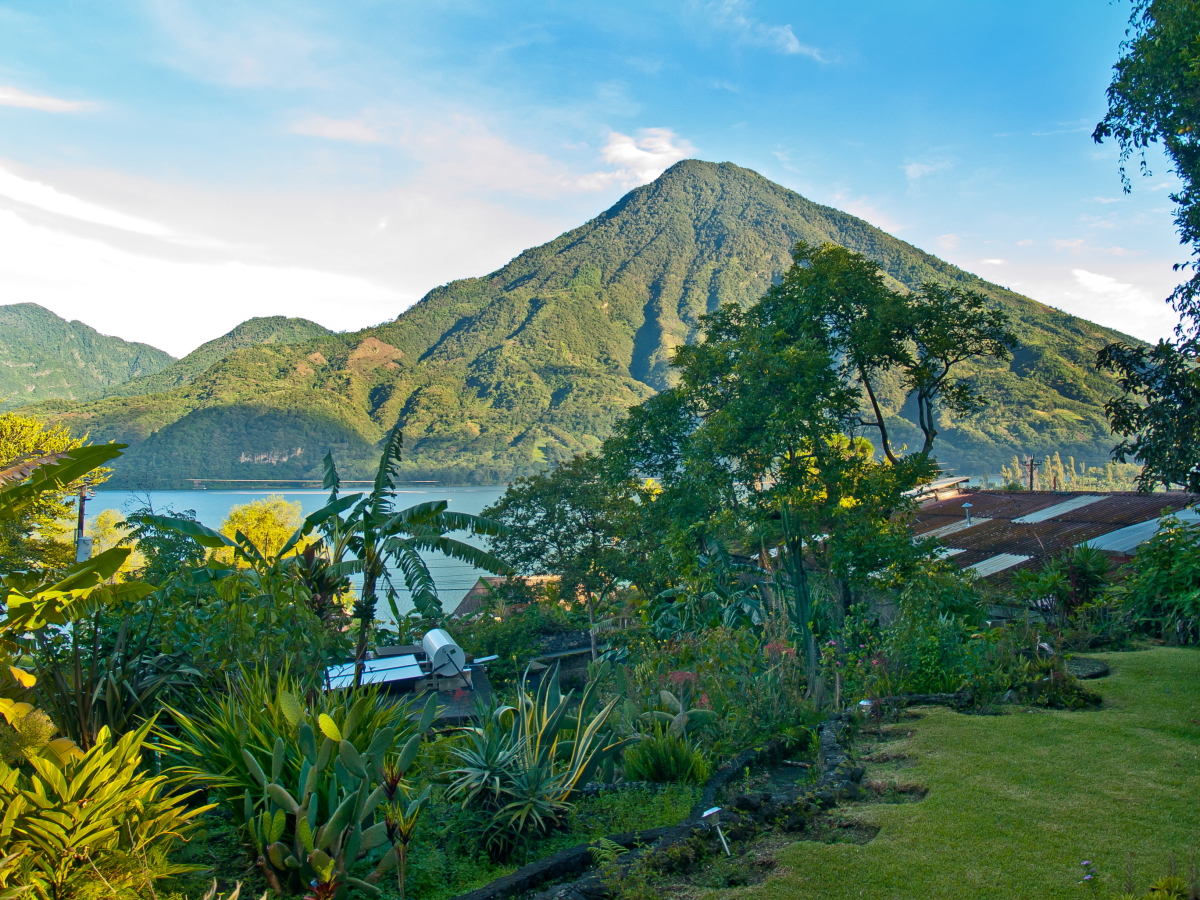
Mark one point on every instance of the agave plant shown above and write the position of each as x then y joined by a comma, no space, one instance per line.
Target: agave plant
307,774
521,765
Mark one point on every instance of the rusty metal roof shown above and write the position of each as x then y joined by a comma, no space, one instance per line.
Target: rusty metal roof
1034,524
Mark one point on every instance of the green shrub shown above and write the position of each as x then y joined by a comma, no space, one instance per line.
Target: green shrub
665,757
100,817
1163,585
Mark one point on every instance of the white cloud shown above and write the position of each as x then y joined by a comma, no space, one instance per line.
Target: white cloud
995,262
1108,288
948,242
915,170
734,15
11,96
172,304
639,159
354,130
44,197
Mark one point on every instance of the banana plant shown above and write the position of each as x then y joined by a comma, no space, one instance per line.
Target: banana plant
315,830
365,535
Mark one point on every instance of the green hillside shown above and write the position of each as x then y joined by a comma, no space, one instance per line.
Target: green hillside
500,375
251,333
43,356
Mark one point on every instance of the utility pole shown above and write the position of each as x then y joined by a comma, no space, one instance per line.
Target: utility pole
1029,461
83,544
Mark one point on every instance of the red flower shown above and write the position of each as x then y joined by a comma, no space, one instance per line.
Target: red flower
678,678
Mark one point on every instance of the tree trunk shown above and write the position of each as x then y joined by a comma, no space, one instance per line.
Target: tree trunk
591,608
366,615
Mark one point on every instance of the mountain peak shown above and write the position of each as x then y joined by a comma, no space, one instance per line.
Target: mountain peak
501,375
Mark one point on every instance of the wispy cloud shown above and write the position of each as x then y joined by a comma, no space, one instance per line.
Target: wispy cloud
865,209
915,170
48,199
355,130
735,16
994,262
11,96
948,242
241,45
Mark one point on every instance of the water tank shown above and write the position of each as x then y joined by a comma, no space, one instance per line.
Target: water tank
445,656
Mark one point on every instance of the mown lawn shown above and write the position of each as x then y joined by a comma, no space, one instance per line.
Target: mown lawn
1017,801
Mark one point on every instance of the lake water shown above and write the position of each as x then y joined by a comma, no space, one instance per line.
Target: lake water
452,577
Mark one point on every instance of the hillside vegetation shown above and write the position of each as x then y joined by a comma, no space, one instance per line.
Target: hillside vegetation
43,356
498,376
251,333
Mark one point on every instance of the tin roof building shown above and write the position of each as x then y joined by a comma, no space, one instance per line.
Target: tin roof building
996,533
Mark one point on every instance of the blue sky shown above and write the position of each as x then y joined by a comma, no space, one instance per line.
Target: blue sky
169,168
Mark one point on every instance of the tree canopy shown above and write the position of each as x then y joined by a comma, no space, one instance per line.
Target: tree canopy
1154,99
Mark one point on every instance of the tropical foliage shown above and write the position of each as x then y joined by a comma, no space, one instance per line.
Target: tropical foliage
1153,99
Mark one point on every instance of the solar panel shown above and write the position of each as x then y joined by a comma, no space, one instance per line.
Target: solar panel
375,671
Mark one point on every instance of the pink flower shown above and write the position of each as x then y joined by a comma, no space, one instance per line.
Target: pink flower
678,678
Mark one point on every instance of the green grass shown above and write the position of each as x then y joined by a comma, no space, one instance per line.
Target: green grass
1016,802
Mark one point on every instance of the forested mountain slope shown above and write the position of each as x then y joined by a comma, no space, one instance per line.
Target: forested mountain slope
251,333
500,375
43,356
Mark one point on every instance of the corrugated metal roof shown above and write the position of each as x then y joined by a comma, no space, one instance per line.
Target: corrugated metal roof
997,563
1127,540
947,530
1037,524
1058,509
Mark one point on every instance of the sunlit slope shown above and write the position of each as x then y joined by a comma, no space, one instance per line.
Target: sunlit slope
500,375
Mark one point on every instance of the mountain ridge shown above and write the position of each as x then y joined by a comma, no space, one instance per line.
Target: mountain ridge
500,375
251,333
44,356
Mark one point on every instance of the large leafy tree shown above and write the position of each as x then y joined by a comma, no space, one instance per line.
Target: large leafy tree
760,445
1154,99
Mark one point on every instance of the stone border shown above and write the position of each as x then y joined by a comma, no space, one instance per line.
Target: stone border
836,780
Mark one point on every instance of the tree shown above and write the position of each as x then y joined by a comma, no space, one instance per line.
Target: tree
1154,98
267,523
923,337
570,522
365,535
35,537
758,447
